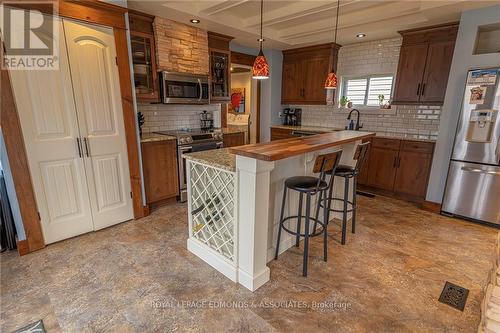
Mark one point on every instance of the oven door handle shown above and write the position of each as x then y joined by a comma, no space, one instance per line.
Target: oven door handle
187,148
201,90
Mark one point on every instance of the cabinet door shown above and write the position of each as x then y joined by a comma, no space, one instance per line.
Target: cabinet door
382,168
291,90
220,78
363,173
280,133
160,168
315,72
437,70
412,173
96,85
410,73
234,139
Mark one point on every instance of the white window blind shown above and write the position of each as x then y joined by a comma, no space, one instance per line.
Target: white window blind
356,90
365,90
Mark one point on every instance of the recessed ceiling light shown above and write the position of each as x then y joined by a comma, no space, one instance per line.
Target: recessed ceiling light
194,21
261,40
360,35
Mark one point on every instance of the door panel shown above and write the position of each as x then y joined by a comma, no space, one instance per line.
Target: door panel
49,124
382,168
410,73
316,70
437,70
472,190
291,87
92,54
412,173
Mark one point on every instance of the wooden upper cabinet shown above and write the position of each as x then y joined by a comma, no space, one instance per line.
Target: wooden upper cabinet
410,72
437,69
220,65
144,56
424,64
304,73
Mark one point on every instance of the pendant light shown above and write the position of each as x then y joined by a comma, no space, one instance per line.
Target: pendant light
331,79
260,69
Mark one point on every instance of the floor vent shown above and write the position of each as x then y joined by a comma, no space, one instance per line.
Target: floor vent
453,295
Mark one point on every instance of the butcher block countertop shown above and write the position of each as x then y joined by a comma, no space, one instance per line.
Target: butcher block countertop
280,149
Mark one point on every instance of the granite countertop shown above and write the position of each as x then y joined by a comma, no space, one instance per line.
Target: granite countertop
220,158
152,137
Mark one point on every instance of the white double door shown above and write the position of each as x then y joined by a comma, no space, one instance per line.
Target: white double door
74,134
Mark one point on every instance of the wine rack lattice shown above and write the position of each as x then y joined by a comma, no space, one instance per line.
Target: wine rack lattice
212,208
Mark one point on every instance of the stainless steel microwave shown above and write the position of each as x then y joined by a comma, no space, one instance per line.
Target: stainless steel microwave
182,88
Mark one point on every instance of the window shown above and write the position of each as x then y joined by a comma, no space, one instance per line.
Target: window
365,90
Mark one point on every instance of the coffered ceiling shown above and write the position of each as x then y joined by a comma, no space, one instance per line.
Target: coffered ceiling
295,23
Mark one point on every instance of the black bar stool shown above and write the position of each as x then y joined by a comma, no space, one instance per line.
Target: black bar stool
310,186
348,172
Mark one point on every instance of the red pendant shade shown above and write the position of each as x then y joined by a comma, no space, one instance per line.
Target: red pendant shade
331,81
260,68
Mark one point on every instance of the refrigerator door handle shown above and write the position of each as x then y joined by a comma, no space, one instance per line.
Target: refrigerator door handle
479,170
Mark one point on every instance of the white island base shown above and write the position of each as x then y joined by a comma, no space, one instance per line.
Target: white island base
234,209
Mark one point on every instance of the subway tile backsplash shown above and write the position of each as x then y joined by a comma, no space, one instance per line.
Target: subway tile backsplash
163,117
402,121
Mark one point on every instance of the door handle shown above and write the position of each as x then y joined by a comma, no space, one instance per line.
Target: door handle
78,144
87,150
423,89
201,90
418,89
478,170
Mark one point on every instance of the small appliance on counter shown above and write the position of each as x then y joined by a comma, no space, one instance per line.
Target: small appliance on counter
292,117
206,121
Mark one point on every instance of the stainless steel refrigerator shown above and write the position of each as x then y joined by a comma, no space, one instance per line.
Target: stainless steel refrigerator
473,183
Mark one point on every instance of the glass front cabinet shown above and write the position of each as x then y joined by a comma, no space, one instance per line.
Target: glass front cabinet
220,66
143,57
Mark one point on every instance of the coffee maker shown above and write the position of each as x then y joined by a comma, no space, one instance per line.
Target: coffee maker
292,117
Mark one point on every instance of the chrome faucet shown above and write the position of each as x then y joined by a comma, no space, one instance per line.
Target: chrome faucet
358,126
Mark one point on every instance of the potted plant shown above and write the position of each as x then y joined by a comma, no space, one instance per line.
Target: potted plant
349,104
343,101
381,101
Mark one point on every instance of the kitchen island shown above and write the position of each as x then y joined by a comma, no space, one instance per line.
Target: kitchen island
234,198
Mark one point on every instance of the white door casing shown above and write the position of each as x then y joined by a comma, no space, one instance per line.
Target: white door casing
44,100
92,55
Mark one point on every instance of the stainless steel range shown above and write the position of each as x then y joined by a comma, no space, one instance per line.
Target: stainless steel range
191,140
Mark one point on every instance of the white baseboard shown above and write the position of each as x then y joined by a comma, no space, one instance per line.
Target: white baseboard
252,283
212,258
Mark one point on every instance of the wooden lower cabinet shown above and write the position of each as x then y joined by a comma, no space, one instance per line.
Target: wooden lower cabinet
280,133
382,169
398,167
159,164
234,139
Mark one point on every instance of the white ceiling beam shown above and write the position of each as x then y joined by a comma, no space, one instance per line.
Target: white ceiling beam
294,11
221,7
353,19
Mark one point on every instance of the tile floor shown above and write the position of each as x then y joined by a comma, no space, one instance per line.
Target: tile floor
139,277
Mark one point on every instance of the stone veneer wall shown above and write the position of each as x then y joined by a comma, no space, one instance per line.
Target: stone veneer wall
180,47
163,117
376,57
